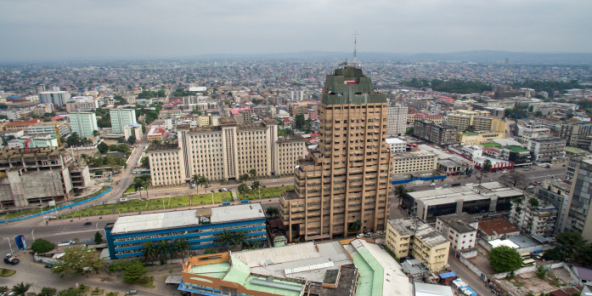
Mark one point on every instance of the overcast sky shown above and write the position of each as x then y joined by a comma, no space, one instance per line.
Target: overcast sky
65,29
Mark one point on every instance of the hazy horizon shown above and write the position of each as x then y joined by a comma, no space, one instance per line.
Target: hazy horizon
72,30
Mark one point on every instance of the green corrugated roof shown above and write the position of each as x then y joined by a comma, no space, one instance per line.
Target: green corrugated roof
207,270
469,134
238,273
575,150
272,290
371,274
491,144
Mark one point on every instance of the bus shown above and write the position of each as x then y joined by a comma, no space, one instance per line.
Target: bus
525,256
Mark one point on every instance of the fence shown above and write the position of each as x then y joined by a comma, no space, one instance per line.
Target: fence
58,208
418,179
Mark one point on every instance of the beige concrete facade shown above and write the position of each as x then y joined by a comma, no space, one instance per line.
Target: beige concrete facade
230,150
411,236
345,182
481,123
414,161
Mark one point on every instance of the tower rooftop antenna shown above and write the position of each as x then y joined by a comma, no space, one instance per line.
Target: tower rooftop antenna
355,46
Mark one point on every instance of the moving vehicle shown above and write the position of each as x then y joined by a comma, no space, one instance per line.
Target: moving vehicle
87,224
131,292
9,259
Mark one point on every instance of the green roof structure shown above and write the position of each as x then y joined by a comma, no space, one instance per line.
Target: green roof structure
238,273
371,274
491,144
517,149
348,85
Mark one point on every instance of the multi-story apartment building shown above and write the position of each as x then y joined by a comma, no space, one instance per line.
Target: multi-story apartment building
397,121
44,128
133,130
532,219
547,149
578,216
80,104
573,131
121,118
225,152
480,123
411,118
527,129
21,125
555,192
342,187
439,134
58,98
411,236
84,123
414,162
461,230
34,176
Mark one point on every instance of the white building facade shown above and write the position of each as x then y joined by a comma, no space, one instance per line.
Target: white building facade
58,98
121,118
84,123
397,121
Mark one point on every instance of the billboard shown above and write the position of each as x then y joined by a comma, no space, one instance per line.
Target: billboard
20,242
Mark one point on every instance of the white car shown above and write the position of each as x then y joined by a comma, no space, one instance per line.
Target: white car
504,171
433,184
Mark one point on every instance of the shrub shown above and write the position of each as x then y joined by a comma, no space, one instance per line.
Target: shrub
41,246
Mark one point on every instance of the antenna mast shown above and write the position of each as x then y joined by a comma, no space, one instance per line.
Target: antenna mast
355,46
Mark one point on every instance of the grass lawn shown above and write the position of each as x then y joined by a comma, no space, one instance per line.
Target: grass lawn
121,208
154,207
158,201
180,201
81,213
97,291
277,190
137,202
103,210
6,272
136,208
222,196
202,199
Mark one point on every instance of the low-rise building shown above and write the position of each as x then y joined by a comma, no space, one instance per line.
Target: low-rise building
455,165
497,228
21,125
156,133
479,201
478,137
534,218
43,128
397,145
411,236
413,162
461,230
201,227
133,129
547,149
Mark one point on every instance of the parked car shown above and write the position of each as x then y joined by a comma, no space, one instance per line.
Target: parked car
49,265
433,184
9,259
131,292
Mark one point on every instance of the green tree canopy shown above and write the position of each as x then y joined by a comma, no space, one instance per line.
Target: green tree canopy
78,259
103,148
505,259
41,246
487,165
98,238
133,272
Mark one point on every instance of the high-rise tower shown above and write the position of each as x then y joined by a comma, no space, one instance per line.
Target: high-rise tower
342,187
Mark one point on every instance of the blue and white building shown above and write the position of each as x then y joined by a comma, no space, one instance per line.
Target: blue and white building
121,118
200,227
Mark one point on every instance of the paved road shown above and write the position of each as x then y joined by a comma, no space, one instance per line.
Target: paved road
468,276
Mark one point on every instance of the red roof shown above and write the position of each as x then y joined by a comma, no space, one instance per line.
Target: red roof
286,120
32,121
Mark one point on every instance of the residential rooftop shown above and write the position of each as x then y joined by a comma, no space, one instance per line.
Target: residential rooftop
459,222
162,147
497,226
416,227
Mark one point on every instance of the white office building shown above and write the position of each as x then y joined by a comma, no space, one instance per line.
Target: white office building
397,145
397,121
83,123
121,118
58,98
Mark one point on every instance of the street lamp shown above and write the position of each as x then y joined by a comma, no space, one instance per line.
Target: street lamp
9,244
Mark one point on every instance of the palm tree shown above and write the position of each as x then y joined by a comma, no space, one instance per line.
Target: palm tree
256,186
203,181
139,185
243,178
21,288
253,173
181,245
243,188
195,180
225,238
150,251
163,247
145,181
272,212
401,191
240,238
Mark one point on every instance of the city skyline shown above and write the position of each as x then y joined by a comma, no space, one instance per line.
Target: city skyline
66,29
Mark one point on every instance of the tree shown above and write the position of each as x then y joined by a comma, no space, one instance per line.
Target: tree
202,181
103,148
150,251
73,139
225,237
77,260
401,191
71,292
156,142
240,238
554,254
145,161
573,246
505,259
243,177
21,289
272,212
46,291
515,179
138,185
471,128
195,179
253,173
41,246
355,226
96,133
121,140
133,272
487,165
98,238
541,272
533,202
163,248
243,188
197,112
409,131
299,122
181,246
131,139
